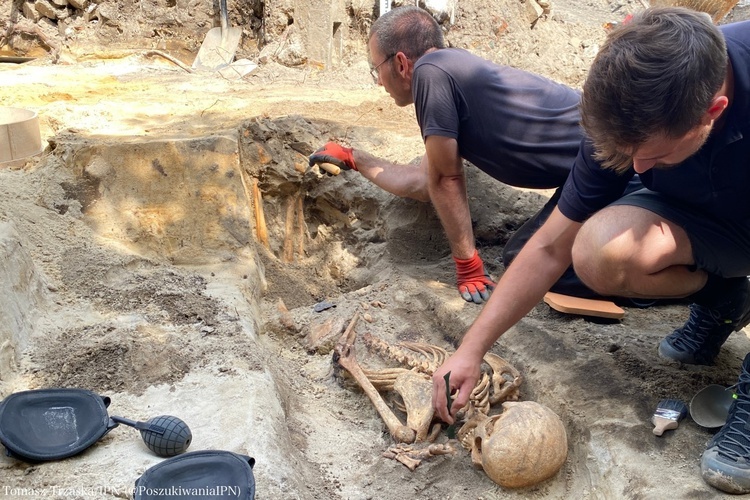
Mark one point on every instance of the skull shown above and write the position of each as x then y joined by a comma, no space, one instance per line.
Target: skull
522,446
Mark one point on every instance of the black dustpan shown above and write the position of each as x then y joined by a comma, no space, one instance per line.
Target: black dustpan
202,474
51,424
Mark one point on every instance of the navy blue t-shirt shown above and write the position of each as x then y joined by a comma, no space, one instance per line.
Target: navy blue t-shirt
715,180
518,127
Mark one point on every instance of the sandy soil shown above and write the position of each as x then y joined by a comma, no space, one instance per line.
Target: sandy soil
134,268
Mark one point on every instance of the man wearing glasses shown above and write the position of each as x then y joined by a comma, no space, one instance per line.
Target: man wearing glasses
518,127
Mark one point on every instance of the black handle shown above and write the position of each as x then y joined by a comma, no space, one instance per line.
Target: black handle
141,426
224,15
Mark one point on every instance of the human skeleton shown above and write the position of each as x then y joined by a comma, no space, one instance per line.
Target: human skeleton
499,382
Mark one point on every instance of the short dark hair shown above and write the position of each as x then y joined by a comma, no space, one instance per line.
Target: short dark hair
655,75
408,29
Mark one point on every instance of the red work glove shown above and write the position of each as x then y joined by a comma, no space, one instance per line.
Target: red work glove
474,284
333,153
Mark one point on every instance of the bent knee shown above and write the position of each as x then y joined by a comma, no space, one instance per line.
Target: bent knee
601,272
599,262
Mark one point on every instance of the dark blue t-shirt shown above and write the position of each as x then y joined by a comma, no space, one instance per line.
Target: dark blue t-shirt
518,127
716,179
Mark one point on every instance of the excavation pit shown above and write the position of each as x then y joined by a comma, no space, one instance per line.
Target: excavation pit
134,269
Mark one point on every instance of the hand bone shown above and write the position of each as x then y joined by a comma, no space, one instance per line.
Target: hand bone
412,457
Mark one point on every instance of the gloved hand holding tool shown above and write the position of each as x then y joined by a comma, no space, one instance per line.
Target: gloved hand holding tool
333,154
474,284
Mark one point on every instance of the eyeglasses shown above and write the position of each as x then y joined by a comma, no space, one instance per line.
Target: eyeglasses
374,71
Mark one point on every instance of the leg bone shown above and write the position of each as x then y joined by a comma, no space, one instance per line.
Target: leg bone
345,356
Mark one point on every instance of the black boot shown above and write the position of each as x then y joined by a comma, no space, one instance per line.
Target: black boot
726,462
699,340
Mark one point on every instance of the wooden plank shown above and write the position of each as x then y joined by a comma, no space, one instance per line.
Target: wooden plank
585,307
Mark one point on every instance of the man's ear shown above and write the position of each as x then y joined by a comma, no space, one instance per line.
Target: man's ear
717,107
402,64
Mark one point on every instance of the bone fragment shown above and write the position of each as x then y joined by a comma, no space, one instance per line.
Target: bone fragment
315,169
425,358
384,380
506,379
480,394
416,391
435,355
412,457
465,434
434,433
404,458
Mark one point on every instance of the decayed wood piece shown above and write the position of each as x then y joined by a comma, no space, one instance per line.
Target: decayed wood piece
288,252
294,229
301,228
169,58
24,26
260,218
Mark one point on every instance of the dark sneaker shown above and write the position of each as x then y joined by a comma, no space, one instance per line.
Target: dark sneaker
726,462
699,341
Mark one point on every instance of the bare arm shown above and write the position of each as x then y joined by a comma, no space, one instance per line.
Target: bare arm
446,184
540,263
407,181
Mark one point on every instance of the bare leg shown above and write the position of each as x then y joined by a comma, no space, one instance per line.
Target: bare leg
631,252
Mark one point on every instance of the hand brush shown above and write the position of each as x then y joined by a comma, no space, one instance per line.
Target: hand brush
668,414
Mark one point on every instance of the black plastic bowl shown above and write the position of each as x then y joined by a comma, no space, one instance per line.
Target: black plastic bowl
50,424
